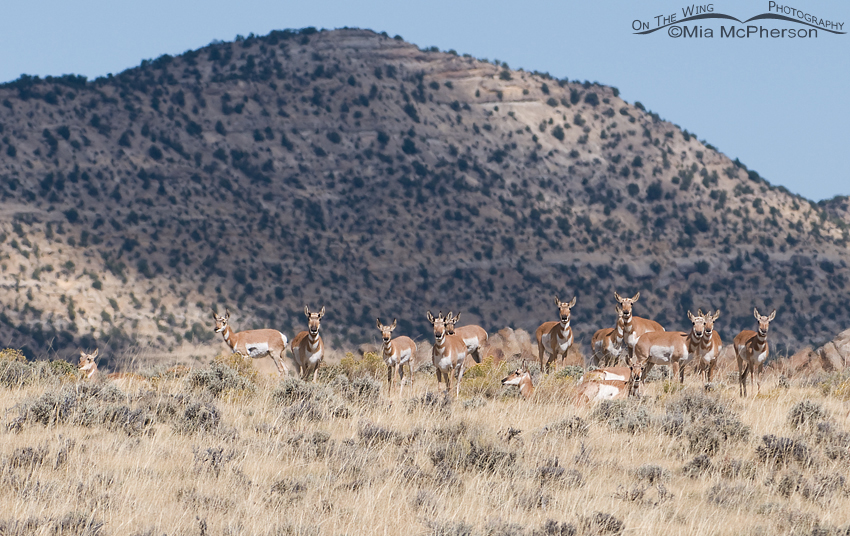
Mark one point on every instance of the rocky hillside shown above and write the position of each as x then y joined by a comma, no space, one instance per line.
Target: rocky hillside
356,171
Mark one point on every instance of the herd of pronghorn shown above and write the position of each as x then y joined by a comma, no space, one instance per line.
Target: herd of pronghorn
643,343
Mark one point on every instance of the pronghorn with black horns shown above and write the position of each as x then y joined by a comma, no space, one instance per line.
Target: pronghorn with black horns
672,348
710,346
521,377
254,343
752,350
606,345
396,353
307,347
473,336
448,353
634,326
555,337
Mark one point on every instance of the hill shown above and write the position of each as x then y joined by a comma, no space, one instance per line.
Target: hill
353,170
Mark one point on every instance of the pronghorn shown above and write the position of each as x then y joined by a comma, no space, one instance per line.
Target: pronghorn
253,343
608,383
307,347
673,348
88,367
709,348
752,350
555,337
396,353
521,378
607,343
633,326
448,354
473,336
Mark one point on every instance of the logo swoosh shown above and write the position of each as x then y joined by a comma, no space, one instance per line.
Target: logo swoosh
695,17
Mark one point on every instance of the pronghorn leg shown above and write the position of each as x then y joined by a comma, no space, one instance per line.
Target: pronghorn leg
390,377
315,372
759,370
400,368
541,353
439,379
710,372
459,377
743,379
645,372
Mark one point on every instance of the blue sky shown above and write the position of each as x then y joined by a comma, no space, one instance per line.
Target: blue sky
777,104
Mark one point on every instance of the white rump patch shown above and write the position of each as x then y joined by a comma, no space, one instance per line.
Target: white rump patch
257,349
606,392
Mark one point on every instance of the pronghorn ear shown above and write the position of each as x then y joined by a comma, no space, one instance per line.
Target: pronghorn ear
215,313
699,312
756,313
95,353
716,315
322,312
226,314
617,297
392,327
307,311
456,318
379,323
557,301
429,316
636,297
573,302
772,316
618,309
691,316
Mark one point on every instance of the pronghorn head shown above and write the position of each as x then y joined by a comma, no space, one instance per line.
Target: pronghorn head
626,304
764,321
221,321
564,309
710,319
699,324
450,323
386,331
635,371
314,320
516,377
87,363
440,326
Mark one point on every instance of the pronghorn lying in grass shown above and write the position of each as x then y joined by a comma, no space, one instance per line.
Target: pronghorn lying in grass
672,348
752,350
448,354
634,326
555,337
88,366
307,347
253,343
607,343
709,348
473,336
607,384
522,379
396,353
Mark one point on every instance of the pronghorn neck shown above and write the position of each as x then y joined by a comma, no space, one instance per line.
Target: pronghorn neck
313,340
694,342
706,342
761,341
90,369
389,349
228,336
628,327
526,388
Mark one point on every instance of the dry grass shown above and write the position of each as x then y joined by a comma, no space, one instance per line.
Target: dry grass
225,451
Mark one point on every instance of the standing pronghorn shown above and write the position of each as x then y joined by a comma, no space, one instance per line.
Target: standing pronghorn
555,337
634,326
396,353
607,343
522,379
710,346
473,336
307,347
752,350
448,354
253,343
672,348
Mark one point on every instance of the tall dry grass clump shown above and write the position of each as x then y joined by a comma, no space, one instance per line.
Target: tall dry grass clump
225,450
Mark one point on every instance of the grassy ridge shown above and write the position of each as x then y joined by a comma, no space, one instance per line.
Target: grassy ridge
223,450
